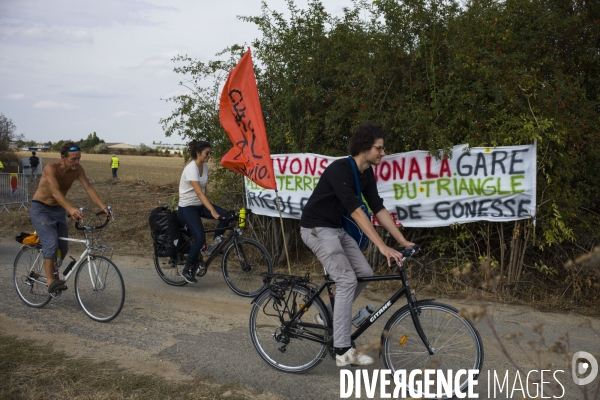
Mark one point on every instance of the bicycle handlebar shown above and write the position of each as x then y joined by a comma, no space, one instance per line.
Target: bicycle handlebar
235,214
407,253
98,213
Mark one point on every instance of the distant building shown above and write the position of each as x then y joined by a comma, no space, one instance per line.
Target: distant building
163,146
119,146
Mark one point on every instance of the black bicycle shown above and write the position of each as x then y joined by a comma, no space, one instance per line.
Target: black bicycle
243,263
423,334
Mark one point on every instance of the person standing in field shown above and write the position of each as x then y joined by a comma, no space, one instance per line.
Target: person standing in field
194,204
34,161
321,230
50,206
114,164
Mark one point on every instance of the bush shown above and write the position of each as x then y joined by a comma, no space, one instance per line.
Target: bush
100,148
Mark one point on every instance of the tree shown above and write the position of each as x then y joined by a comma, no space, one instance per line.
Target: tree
7,132
435,73
91,141
56,145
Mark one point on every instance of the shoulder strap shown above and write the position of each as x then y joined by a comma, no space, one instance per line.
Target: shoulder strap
356,182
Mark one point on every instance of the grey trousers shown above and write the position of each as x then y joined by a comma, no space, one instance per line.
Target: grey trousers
50,223
344,262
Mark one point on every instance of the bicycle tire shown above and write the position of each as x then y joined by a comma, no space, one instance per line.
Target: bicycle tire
29,277
169,268
242,271
456,342
298,354
99,288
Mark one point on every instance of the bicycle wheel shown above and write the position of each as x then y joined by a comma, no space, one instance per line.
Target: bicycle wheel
169,268
289,350
242,269
29,277
456,342
99,288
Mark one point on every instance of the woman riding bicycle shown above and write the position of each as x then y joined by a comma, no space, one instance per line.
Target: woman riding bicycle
193,204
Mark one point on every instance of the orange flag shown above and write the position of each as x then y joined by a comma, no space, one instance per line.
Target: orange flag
242,118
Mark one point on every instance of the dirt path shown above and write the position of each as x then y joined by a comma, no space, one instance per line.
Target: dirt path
202,329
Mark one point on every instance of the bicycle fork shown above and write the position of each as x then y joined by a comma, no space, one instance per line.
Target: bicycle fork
414,314
97,281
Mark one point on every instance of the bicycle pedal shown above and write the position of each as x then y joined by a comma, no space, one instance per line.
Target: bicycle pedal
201,271
56,295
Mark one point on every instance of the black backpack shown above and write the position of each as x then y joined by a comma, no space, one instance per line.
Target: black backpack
165,230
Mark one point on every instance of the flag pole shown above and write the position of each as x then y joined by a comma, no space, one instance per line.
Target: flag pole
287,255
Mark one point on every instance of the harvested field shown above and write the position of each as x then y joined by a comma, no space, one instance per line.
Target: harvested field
129,233
156,170
145,183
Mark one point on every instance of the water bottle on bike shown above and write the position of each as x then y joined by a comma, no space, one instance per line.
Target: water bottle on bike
214,245
362,315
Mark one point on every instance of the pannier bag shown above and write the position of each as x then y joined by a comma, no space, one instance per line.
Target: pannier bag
30,239
164,228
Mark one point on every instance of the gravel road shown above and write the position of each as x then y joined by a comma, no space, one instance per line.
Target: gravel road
203,330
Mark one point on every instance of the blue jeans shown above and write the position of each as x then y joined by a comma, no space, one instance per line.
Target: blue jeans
192,217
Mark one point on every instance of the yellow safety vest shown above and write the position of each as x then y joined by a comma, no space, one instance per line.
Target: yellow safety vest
1,165
115,162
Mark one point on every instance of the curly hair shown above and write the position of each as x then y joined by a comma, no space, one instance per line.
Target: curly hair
364,136
196,147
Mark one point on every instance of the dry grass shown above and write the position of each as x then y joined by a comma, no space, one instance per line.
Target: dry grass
129,233
145,183
131,199
156,170
37,372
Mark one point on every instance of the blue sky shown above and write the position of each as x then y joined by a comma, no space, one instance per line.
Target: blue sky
72,67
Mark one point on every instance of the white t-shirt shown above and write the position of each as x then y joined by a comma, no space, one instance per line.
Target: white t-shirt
187,195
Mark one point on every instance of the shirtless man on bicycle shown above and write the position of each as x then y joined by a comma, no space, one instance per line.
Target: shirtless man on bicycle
50,207
321,230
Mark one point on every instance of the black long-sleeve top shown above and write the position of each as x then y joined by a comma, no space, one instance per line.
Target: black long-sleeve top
336,192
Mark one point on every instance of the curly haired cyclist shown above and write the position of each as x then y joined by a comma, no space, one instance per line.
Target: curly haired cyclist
321,230
50,203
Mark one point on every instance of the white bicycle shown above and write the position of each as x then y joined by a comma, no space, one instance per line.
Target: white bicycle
99,285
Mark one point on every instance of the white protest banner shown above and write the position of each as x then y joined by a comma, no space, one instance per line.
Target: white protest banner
491,184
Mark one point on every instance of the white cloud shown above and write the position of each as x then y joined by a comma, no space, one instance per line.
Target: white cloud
14,96
160,61
94,91
53,105
89,13
44,34
121,114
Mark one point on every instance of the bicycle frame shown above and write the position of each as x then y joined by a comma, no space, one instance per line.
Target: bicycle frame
235,233
86,255
403,291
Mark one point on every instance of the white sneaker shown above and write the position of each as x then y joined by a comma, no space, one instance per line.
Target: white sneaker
353,357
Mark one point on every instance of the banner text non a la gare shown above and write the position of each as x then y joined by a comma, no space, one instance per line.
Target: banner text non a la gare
494,184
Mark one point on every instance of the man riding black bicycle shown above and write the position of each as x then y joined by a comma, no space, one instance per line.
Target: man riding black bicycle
321,230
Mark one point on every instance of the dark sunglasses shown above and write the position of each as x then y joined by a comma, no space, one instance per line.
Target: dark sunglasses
74,148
